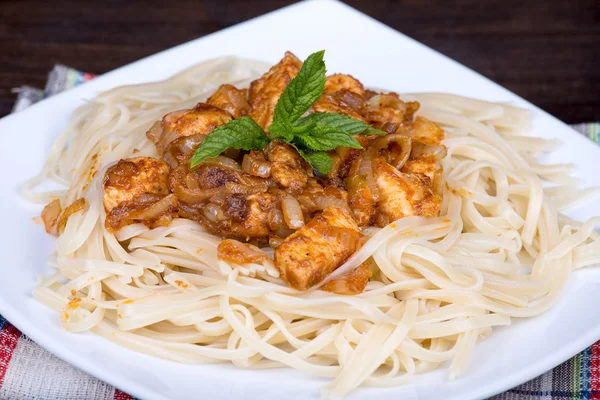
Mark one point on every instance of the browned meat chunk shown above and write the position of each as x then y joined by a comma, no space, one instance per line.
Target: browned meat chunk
338,82
180,133
288,169
132,177
265,92
307,256
254,223
136,190
424,131
424,165
351,283
386,110
402,195
230,99
227,201
342,102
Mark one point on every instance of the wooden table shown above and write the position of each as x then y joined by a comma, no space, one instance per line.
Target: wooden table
544,50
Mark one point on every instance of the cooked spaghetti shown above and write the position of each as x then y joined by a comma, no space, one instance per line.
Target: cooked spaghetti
151,256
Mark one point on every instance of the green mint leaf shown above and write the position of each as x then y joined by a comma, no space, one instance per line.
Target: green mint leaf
342,122
320,161
301,130
374,131
281,130
242,133
302,91
323,138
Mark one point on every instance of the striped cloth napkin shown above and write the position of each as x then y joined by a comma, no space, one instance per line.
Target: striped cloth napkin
29,372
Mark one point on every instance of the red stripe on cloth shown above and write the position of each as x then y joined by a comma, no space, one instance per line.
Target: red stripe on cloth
9,336
122,395
595,372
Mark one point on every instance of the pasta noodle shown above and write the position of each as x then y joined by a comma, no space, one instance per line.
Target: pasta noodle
499,250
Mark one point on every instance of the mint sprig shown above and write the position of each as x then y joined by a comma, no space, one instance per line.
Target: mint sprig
302,91
242,133
325,138
344,123
311,136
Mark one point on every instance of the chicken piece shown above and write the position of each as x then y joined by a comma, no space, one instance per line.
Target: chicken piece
338,82
288,169
265,91
227,201
343,95
424,131
351,283
136,190
240,253
212,176
402,195
386,111
308,255
132,177
255,163
230,99
153,210
181,132
342,102
424,165
254,222
244,217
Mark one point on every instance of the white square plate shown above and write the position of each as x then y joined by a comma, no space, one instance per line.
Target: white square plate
379,57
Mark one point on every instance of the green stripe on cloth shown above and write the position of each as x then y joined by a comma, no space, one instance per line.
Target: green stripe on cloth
590,130
576,377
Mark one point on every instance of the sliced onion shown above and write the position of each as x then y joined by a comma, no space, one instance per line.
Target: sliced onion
283,231
394,157
187,145
50,215
275,241
77,205
211,211
145,199
275,219
191,182
162,138
366,168
292,213
375,101
254,166
332,201
181,149
156,209
225,161
420,149
246,189
192,196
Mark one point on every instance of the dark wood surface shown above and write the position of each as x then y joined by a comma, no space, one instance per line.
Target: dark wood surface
544,50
